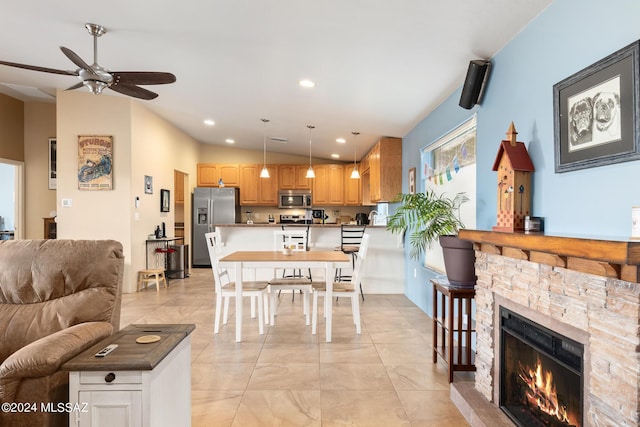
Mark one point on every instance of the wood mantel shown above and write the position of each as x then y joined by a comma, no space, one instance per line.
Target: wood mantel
610,258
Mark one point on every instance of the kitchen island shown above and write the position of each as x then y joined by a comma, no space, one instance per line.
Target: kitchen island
383,270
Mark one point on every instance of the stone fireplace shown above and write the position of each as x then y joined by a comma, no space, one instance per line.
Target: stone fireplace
582,289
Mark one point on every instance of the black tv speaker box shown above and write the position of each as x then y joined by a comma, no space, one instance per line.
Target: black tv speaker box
477,74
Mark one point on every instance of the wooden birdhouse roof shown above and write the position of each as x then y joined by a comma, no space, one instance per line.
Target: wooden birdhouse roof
516,153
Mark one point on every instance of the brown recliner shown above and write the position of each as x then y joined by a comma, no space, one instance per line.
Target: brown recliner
57,298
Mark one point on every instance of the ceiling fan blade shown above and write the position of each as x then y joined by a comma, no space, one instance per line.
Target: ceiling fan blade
75,86
76,59
142,77
35,68
133,90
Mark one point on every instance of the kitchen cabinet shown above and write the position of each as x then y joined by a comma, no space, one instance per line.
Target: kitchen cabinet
178,187
328,185
382,181
256,191
210,173
293,177
352,188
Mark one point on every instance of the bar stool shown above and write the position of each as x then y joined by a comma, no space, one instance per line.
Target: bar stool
151,275
350,241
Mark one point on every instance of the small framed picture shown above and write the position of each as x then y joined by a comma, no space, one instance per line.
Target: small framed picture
412,181
148,184
164,200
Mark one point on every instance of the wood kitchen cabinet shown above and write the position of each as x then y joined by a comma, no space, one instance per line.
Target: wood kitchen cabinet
210,173
293,177
328,185
256,191
382,181
178,187
352,188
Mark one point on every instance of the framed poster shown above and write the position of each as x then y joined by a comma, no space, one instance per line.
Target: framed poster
596,113
412,181
164,200
148,184
53,145
95,167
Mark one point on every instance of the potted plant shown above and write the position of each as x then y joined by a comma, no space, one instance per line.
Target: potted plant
427,217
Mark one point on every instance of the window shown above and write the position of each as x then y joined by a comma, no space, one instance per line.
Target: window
449,167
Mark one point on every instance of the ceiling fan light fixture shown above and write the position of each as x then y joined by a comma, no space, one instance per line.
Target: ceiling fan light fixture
95,86
264,173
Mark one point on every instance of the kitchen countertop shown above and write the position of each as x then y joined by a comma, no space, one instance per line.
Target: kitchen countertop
266,224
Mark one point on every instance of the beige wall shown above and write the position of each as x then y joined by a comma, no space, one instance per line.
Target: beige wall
39,126
12,128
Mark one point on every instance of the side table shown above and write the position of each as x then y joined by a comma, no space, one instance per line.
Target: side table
136,385
453,326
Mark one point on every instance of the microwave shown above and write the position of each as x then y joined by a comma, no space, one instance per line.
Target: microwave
294,199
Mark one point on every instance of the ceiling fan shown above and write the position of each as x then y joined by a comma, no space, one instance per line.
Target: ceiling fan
97,78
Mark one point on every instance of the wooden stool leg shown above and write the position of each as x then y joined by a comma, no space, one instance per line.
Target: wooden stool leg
139,282
157,280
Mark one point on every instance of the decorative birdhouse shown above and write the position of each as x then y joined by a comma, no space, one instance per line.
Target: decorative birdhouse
514,168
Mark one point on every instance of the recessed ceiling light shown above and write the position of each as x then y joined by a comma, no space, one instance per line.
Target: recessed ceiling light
209,122
335,156
341,140
229,141
307,83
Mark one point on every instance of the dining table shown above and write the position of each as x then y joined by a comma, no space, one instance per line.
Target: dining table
327,260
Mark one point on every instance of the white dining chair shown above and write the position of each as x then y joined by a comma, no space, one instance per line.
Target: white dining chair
295,241
226,289
342,289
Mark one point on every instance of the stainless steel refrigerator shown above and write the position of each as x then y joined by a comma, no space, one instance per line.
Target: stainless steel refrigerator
211,206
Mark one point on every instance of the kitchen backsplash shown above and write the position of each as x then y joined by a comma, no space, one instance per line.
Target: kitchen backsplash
261,214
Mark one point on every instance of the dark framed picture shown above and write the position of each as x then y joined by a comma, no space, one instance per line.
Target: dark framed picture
412,181
164,200
596,113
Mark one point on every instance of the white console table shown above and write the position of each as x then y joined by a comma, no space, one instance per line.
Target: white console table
136,385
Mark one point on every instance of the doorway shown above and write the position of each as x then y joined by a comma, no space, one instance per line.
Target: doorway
11,199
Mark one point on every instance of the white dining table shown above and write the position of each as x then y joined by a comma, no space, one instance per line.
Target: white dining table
328,260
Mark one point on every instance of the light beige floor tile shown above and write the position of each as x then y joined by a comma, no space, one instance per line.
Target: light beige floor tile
289,353
362,408
431,407
278,376
348,353
230,353
295,408
408,336
419,377
405,354
220,376
362,376
214,408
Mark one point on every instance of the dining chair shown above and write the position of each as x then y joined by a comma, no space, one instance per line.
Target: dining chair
343,288
226,289
350,241
295,241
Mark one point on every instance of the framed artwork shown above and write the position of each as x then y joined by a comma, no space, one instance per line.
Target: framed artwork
148,184
95,167
53,145
412,181
596,113
164,200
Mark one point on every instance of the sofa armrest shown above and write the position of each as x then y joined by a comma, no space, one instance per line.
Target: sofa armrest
46,355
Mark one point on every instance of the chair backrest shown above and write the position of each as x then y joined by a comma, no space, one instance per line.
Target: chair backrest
290,238
360,258
214,245
351,235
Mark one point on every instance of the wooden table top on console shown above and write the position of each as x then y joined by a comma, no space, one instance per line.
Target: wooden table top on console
131,356
617,258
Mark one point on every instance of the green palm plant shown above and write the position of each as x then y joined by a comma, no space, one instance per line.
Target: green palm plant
426,217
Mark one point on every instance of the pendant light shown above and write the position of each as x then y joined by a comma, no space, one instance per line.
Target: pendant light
310,173
264,173
354,173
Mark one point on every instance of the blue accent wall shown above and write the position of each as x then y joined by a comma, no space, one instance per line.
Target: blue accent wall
564,39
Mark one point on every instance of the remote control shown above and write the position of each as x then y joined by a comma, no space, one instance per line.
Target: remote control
108,349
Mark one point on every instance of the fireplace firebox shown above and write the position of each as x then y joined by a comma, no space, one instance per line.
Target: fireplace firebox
541,374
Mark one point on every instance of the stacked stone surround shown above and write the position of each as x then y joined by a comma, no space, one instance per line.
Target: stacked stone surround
601,313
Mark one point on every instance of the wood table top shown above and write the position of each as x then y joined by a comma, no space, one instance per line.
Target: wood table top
130,355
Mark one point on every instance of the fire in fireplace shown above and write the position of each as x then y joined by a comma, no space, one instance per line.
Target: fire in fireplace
541,374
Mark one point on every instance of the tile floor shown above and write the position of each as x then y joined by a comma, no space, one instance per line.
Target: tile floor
288,377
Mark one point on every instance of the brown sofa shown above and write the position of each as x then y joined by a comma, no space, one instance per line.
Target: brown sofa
57,298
